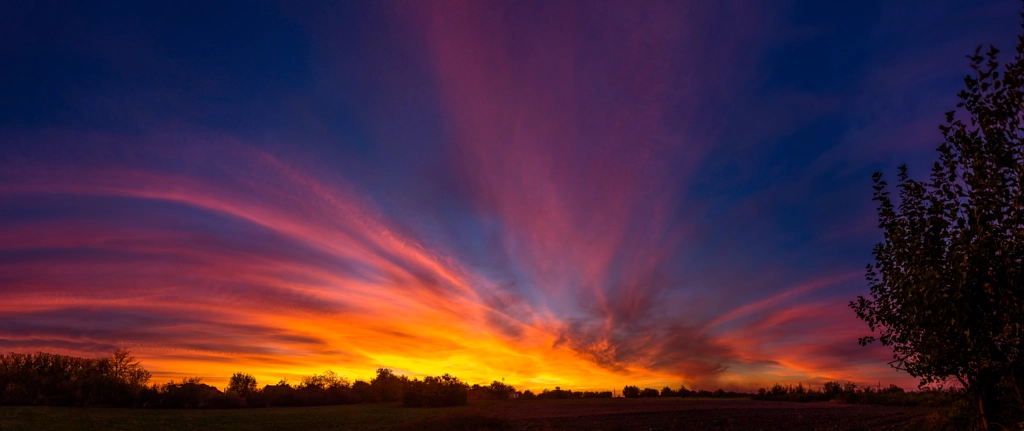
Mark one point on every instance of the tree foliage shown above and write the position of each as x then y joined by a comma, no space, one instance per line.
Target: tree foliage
242,384
442,391
387,386
947,285
49,379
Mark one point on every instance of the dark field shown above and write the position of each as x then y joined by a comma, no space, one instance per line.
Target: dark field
600,414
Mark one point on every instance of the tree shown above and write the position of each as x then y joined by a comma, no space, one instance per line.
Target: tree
329,379
947,285
387,385
124,377
443,391
631,391
243,384
648,392
501,391
126,370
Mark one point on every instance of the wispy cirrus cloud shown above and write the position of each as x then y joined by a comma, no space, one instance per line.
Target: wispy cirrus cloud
653,194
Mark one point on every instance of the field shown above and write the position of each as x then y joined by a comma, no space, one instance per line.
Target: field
600,414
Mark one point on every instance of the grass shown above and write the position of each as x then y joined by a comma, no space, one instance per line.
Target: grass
574,415
353,417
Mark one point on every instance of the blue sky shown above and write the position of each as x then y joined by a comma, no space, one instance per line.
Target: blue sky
660,192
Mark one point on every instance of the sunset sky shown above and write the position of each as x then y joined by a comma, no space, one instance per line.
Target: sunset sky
574,194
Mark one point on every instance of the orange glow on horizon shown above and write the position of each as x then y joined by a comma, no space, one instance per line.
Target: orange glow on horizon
210,311
541,215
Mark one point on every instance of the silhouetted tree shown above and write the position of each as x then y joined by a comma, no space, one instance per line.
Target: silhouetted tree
559,394
831,388
631,391
243,384
947,285
683,391
892,389
124,376
387,386
49,379
495,391
362,392
649,393
322,381
281,394
191,392
600,394
443,391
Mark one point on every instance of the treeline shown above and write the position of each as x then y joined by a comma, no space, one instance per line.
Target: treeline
48,379
850,393
629,392
120,380
562,394
682,392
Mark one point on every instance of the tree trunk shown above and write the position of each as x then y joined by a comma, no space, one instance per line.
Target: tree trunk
981,412
989,407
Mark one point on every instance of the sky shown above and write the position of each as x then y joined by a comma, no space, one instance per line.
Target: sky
554,193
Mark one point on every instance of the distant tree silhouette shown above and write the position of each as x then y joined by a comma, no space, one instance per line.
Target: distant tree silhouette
49,379
119,380
631,391
831,388
947,285
892,389
648,393
849,393
683,391
243,384
323,381
191,392
125,376
495,391
557,394
387,386
362,392
281,394
443,391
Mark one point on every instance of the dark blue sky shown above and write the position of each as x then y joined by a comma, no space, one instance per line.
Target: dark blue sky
660,192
